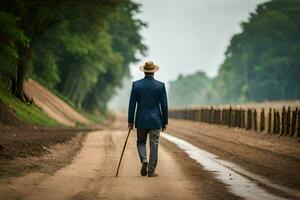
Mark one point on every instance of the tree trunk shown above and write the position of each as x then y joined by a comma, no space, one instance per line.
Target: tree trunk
18,80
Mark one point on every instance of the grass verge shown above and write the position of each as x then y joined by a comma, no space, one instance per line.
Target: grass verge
97,119
30,114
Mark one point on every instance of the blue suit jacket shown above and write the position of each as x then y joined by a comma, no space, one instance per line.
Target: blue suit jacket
149,99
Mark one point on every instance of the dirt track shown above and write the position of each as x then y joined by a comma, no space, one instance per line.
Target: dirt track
91,174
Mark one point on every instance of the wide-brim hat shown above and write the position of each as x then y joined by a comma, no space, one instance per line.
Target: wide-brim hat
149,66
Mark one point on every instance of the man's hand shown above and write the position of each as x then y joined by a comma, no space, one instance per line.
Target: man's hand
130,126
164,128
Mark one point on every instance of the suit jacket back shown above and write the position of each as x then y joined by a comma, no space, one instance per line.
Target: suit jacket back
148,98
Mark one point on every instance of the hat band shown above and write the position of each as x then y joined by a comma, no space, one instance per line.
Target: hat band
147,67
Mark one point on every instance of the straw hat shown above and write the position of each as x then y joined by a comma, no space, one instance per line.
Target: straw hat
149,66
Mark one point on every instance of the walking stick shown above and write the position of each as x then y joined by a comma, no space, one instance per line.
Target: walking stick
123,152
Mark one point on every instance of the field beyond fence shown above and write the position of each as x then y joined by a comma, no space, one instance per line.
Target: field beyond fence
284,121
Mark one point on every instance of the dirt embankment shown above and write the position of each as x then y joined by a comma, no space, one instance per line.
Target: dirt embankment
25,147
55,107
8,117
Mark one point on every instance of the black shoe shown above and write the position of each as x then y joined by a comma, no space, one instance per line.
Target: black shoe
144,169
152,174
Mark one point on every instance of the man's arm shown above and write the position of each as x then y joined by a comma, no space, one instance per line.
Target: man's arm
164,107
131,108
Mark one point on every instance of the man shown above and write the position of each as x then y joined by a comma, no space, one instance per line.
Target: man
149,99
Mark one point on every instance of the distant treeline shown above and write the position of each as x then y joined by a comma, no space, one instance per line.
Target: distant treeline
262,62
80,49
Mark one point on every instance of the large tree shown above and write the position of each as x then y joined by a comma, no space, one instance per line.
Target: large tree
79,49
85,61
126,43
38,17
262,62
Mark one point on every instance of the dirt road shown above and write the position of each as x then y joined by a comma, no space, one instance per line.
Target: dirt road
91,175
181,175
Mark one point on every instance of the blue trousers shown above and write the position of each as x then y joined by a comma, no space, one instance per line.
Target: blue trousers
141,146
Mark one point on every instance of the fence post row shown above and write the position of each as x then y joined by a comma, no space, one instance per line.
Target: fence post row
285,122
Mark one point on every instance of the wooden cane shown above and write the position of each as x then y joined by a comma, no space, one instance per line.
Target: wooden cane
123,152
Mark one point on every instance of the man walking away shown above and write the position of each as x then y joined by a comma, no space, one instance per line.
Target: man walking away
148,109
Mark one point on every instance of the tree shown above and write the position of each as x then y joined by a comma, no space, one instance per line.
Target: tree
261,62
192,90
37,17
126,43
11,36
85,61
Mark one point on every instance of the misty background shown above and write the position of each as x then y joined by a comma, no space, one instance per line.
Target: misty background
186,36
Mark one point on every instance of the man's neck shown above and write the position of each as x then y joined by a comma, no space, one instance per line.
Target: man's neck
149,76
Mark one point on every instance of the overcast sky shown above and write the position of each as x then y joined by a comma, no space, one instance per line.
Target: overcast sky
185,36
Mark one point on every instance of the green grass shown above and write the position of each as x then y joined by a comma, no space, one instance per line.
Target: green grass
30,114
97,119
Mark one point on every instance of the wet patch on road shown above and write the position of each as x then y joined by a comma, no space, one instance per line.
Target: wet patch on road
239,181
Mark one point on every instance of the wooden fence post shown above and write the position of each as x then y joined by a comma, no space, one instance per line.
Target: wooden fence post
274,121
249,120
288,121
200,114
233,117
243,119
294,120
262,120
236,115
270,120
240,118
219,116
229,116
238,111
211,117
283,120
298,129
224,116
278,122
255,119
